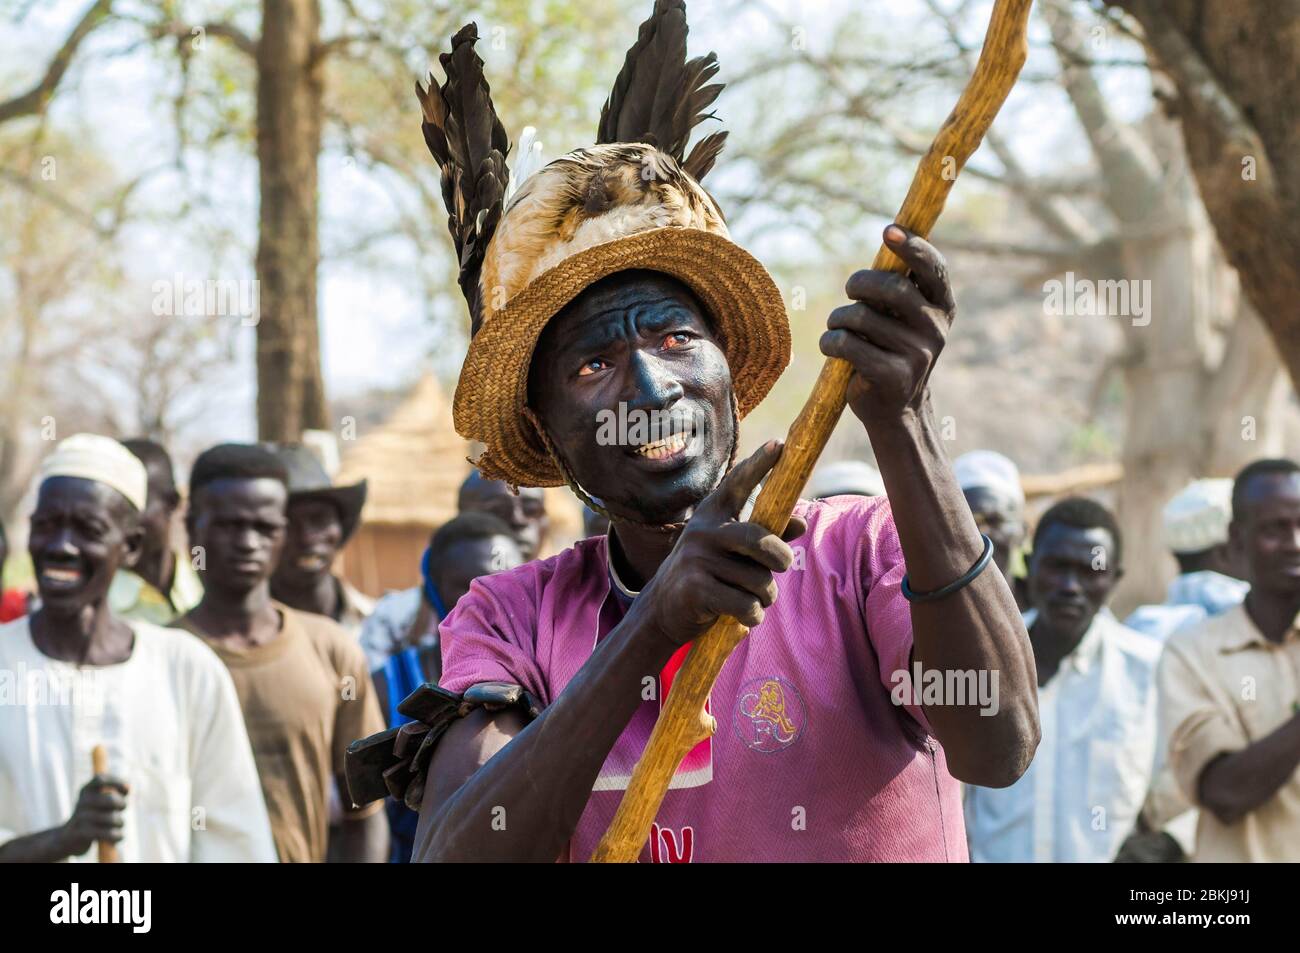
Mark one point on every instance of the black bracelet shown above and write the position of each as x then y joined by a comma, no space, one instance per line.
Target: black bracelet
985,557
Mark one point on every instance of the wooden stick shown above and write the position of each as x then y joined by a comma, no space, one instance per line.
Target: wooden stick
99,764
683,722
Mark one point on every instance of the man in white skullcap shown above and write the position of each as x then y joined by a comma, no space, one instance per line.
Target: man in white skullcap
1196,523
991,484
1196,532
845,478
180,782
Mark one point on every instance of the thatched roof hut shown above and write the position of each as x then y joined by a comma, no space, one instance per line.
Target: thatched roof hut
415,463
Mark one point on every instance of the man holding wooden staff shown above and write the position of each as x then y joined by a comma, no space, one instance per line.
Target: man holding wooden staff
619,336
175,779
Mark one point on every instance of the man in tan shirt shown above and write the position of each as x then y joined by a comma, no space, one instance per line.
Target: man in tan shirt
1230,687
302,681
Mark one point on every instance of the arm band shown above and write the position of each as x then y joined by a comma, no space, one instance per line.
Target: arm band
960,583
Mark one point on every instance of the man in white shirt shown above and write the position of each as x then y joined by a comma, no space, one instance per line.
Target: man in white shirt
1083,792
181,783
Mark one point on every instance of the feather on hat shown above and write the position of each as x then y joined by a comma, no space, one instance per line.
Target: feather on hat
633,200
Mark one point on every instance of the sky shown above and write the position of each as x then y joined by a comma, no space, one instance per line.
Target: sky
374,331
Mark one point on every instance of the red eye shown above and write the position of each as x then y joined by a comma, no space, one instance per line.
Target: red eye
677,339
592,366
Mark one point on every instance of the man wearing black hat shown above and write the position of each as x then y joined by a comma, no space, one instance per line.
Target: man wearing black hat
322,518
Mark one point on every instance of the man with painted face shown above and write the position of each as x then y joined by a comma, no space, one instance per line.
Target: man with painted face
1229,695
302,681
619,336
1083,793
159,702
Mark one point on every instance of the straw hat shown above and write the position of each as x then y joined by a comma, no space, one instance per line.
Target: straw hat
632,201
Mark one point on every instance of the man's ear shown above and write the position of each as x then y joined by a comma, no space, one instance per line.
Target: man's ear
1235,547
191,518
134,539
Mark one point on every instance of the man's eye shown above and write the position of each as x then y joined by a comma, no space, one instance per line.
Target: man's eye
677,339
592,366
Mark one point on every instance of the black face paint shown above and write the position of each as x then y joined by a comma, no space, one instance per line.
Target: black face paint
635,392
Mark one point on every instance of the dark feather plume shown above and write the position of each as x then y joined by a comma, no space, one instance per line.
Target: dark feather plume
660,96
470,145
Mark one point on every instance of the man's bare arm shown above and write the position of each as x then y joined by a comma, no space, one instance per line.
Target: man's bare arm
363,840
97,816
525,787
1233,785
977,629
44,847
892,335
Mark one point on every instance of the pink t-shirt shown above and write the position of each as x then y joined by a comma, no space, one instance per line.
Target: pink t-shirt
812,760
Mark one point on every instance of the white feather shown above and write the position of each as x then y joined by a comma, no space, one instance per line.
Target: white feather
527,161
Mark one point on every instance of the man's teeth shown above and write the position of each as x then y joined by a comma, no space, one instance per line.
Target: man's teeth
664,448
61,575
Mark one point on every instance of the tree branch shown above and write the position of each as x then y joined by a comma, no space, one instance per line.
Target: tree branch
38,97
225,31
1197,83
1129,168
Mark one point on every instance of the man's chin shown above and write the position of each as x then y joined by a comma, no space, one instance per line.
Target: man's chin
67,605
297,580
1070,625
661,502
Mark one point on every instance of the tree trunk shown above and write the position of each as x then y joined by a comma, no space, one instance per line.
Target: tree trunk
290,391
1202,383
1236,67
1180,380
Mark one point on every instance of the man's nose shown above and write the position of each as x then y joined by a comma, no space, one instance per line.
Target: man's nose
1071,581
652,384
61,545
247,539
518,518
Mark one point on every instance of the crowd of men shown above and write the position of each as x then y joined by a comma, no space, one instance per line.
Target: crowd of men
226,678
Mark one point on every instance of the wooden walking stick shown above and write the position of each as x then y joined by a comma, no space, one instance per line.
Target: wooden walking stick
684,722
99,764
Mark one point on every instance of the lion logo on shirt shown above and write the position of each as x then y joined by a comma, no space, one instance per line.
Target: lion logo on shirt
769,714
